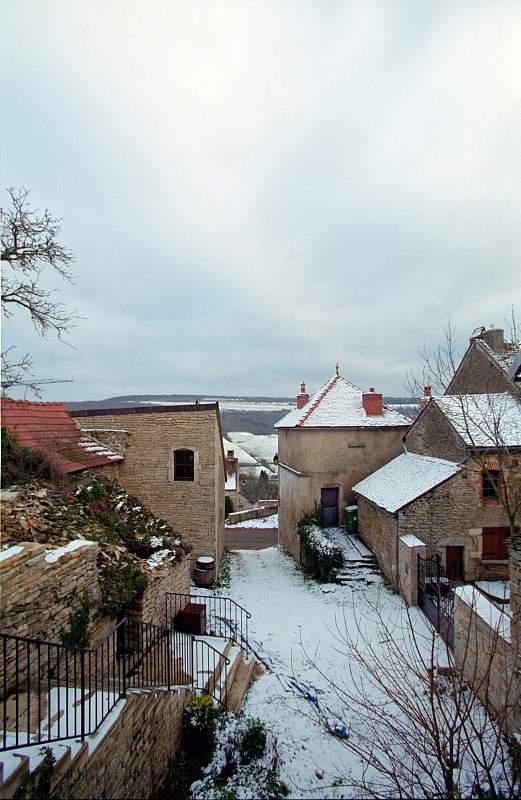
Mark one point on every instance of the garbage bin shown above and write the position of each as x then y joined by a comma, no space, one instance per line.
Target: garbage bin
352,519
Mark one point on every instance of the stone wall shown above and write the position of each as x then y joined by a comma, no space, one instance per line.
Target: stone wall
150,606
38,596
134,757
117,439
378,530
432,435
194,508
486,658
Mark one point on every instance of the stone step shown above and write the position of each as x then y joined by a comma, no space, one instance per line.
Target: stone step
226,681
241,684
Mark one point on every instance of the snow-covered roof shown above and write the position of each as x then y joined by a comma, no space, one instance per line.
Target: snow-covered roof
503,358
338,404
404,479
484,420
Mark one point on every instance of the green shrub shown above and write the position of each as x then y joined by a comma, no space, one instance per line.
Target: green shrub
21,465
318,555
253,741
78,633
92,492
199,727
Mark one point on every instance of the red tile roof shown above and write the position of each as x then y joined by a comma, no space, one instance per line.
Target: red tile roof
48,428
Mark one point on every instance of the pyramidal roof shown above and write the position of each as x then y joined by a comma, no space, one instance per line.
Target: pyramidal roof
338,404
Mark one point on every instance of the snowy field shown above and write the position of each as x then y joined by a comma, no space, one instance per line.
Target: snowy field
250,448
290,615
257,445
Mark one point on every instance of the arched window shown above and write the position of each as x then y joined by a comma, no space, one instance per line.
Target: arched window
183,465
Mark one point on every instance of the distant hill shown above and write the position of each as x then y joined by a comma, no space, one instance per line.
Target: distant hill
254,414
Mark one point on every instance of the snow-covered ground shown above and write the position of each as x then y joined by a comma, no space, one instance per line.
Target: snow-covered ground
264,522
291,616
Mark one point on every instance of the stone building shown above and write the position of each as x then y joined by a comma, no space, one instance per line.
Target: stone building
490,364
444,489
174,462
327,444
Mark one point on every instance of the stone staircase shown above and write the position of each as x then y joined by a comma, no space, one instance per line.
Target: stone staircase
360,565
17,764
161,666
226,682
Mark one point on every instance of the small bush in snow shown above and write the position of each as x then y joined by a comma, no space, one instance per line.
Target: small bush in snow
199,726
319,556
245,765
253,741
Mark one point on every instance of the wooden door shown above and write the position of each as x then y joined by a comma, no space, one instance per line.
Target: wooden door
329,503
454,563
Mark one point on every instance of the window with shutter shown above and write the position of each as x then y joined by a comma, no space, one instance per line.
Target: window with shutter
494,545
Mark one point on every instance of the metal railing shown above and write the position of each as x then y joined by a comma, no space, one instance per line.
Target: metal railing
210,670
223,616
51,691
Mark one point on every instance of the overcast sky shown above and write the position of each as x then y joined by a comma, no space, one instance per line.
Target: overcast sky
254,190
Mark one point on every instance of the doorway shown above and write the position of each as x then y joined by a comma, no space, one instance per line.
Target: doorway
329,505
454,563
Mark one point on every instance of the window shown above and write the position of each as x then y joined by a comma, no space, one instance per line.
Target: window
495,544
183,465
490,485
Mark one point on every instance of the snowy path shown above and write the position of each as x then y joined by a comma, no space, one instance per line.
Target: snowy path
288,609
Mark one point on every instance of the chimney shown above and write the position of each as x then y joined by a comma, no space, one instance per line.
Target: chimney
427,394
373,403
230,454
303,397
495,338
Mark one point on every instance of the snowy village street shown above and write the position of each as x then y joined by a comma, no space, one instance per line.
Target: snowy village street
292,614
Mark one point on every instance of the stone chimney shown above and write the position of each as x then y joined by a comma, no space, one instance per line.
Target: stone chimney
495,338
427,394
303,397
373,403
230,454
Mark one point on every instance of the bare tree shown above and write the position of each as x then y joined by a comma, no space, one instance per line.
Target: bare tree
30,241
414,726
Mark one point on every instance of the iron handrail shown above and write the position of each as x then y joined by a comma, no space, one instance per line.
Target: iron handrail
226,617
51,691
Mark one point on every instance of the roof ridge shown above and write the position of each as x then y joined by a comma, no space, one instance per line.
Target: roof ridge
329,385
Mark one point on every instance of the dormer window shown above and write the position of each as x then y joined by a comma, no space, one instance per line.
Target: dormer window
183,465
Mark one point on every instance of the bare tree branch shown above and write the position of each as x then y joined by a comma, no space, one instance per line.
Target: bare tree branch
29,242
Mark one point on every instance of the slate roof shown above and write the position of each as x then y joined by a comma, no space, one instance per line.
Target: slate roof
338,404
404,479
484,420
48,428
